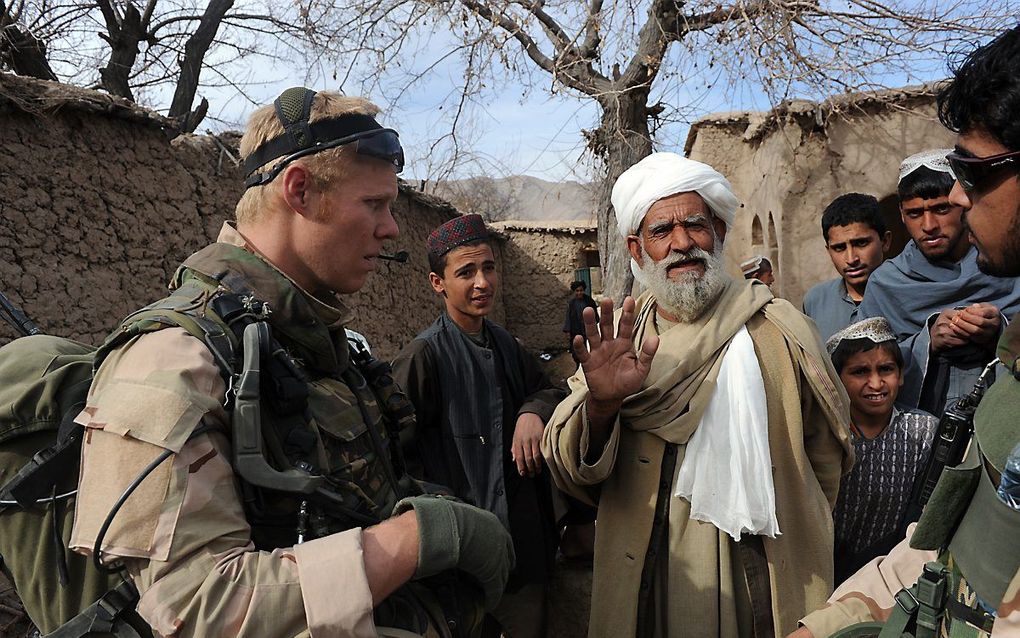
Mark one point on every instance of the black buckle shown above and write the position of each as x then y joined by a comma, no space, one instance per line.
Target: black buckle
906,601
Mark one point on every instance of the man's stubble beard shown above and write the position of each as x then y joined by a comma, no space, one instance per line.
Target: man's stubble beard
690,295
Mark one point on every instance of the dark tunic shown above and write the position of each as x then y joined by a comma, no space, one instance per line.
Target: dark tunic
574,323
873,497
467,395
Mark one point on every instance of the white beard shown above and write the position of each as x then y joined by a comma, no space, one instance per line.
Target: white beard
688,296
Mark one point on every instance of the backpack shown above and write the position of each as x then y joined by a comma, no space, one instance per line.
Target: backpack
45,381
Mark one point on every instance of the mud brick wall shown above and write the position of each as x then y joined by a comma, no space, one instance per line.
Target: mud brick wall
97,209
538,267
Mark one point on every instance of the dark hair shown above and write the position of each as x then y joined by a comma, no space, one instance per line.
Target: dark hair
849,347
926,184
985,91
853,208
574,285
437,263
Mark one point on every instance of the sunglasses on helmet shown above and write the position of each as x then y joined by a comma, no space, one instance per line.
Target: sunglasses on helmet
974,173
301,138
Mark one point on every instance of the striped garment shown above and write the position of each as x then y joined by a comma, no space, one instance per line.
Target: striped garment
874,496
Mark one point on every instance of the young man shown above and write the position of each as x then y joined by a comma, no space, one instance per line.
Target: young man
946,313
890,445
760,268
482,403
856,240
574,323
214,547
965,527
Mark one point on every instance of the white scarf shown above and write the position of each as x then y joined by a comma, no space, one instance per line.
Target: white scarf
726,474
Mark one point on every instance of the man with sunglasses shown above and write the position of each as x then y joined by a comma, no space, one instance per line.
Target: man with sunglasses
220,547
946,313
963,553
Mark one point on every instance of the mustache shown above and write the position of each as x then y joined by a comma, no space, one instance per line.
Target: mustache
676,257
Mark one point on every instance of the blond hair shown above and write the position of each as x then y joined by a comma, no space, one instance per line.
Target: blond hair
327,167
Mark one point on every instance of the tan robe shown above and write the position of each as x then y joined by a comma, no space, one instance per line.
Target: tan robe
808,416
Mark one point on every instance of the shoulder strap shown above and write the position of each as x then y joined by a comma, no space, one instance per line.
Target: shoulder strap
204,313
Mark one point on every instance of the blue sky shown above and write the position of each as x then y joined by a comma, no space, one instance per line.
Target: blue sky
510,129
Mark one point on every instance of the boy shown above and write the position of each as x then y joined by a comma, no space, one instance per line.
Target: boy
891,445
856,240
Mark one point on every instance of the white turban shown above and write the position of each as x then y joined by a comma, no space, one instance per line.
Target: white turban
663,174
934,159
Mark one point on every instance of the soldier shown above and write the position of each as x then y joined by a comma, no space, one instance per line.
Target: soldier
211,552
963,553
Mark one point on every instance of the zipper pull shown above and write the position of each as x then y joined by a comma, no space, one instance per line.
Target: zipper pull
482,439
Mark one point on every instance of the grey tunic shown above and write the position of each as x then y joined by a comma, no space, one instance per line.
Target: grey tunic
831,307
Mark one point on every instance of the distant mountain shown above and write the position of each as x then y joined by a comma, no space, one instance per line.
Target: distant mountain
519,197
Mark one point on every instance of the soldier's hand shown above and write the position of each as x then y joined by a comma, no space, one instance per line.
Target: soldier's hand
455,535
802,632
979,322
526,450
612,369
944,332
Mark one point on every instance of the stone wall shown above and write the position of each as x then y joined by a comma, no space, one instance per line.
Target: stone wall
539,259
788,164
97,208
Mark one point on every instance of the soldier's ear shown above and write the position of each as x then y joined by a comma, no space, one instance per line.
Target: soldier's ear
296,185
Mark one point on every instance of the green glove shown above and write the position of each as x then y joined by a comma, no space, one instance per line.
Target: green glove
455,535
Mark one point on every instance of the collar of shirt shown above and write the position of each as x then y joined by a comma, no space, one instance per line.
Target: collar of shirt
333,312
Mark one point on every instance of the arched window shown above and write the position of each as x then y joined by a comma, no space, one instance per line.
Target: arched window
757,237
773,252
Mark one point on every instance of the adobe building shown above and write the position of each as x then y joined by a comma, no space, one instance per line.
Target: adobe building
787,164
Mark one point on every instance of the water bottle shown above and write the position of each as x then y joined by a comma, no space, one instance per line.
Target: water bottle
1009,486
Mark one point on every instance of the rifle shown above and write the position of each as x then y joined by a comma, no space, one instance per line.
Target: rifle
952,438
16,318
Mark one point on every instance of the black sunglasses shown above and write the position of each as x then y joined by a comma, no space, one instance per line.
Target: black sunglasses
973,173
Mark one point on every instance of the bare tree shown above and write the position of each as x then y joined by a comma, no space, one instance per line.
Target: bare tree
625,54
124,47
20,49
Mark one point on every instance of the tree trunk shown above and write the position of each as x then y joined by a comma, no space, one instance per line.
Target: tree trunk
24,53
191,66
124,40
621,140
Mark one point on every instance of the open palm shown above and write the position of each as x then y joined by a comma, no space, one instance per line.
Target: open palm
612,369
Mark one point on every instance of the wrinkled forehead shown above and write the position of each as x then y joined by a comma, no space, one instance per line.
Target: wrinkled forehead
676,208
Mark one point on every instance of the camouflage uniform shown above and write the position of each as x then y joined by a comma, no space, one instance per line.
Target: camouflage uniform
869,594
202,565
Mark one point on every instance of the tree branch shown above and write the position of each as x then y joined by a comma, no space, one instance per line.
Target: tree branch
191,66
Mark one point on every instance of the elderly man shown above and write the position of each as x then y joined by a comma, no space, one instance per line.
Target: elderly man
715,451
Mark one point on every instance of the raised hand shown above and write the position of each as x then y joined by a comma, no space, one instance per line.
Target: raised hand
612,369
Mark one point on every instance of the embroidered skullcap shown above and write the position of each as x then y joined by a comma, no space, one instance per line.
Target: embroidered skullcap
753,265
456,232
876,329
935,159
663,174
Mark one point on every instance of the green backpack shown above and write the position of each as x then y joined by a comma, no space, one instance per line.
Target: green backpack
44,381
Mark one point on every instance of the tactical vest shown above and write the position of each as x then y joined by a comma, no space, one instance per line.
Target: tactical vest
324,413
330,417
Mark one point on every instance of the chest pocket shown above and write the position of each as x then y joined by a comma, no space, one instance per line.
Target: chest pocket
347,454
